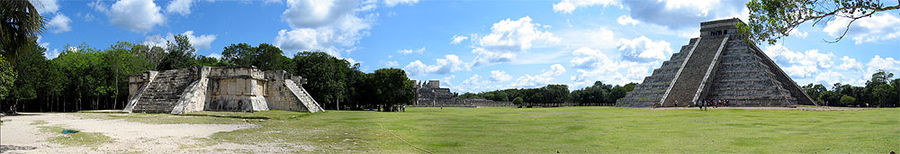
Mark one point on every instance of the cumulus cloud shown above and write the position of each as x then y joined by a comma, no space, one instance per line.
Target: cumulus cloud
849,63
182,7
881,26
409,51
544,78
45,6
392,3
200,42
598,38
796,32
643,49
391,64
59,23
323,25
134,15
626,20
567,6
500,76
509,37
800,64
677,14
443,66
888,64
458,39
588,58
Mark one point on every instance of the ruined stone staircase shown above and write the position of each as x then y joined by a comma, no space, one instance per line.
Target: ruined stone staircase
307,100
163,94
685,86
652,89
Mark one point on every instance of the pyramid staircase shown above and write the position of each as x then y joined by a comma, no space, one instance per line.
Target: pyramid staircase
162,96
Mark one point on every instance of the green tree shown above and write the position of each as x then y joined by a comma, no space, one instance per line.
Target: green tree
815,91
329,77
518,101
879,89
20,23
30,72
7,77
771,20
393,87
265,57
848,100
181,54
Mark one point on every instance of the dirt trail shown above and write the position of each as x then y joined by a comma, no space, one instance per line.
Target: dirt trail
19,131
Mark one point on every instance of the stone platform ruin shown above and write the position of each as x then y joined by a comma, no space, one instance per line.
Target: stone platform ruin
202,88
719,65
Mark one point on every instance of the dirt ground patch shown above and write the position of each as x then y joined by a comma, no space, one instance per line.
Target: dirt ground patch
25,131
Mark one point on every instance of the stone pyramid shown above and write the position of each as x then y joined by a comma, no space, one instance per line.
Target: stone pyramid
719,65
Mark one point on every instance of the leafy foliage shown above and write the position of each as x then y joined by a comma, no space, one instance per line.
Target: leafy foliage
771,20
881,90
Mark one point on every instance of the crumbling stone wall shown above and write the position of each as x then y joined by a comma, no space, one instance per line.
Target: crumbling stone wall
217,89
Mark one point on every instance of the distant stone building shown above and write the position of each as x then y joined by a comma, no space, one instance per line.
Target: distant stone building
719,65
430,94
203,88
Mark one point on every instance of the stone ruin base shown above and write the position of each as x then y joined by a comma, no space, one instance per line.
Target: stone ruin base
202,88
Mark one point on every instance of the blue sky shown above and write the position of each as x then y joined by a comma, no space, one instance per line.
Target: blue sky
475,45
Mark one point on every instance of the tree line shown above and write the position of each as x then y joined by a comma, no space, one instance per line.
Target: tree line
86,78
554,95
880,91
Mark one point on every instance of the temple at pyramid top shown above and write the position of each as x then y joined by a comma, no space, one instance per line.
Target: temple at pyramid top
719,65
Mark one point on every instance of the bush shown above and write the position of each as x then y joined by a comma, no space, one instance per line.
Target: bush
847,100
518,101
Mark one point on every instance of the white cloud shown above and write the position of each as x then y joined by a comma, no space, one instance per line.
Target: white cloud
500,76
409,51
457,39
544,78
182,7
134,15
59,23
45,6
323,25
392,3
450,63
51,54
644,49
391,64
888,64
796,32
599,38
215,55
626,20
800,64
882,26
590,59
849,63
567,6
677,14
509,37
200,42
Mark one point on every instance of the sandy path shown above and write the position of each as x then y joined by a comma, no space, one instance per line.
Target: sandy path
128,136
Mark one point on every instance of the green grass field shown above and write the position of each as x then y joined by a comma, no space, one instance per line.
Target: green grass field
564,129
